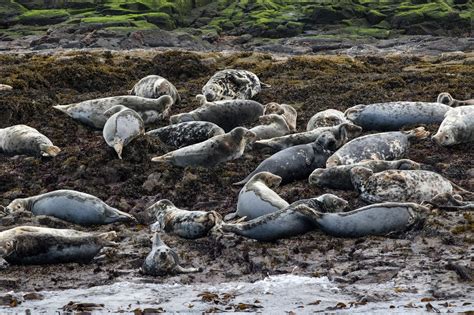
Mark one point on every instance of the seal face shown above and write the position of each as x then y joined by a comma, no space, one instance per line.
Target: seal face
72,206
326,118
285,110
232,84
457,127
154,86
272,125
211,152
22,139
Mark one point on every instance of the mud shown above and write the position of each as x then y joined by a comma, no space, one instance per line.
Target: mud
434,259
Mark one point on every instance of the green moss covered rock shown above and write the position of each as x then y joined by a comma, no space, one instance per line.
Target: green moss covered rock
43,17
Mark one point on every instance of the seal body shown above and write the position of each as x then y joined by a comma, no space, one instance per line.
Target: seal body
184,223
285,110
22,139
231,84
186,133
272,125
457,127
154,86
447,99
339,177
326,118
213,151
71,206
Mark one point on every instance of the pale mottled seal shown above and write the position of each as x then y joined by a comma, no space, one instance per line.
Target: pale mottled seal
184,223
287,111
226,114
272,125
162,260
123,125
379,146
326,118
447,99
395,115
457,127
339,177
231,84
28,245
22,139
211,152
91,112
154,86
72,206
186,133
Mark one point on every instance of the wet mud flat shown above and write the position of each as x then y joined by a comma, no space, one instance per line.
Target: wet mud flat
433,261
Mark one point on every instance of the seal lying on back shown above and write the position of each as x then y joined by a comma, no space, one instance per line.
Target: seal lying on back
162,260
326,118
379,146
226,114
72,206
186,133
231,84
395,115
457,127
284,110
272,125
91,112
447,99
22,139
154,86
29,245
184,223
221,148
339,177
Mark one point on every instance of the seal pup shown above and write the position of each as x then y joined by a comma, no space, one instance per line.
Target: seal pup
5,87
395,115
154,86
285,110
123,125
447,99
162,260
326,118
227,114
91,112
457,127
31,245
186,133
231,84
184,223
401,185
272,125
379,146
218,149
71,206
339,177
22,139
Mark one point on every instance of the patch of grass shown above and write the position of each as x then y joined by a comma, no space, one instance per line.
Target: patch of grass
43,17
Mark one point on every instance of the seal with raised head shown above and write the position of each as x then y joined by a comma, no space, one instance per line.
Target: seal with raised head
457,127
218,149
447,99
379,146
162,260
231,84
339,177
395,115
91,112
154,86
72,206
272,125
184,223
285,110
326,118
227,114
186,133
22,139
123,125
31,245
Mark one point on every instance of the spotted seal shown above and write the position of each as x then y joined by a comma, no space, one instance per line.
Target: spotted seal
162,260
272,125
395,115
379,146
29,245
218,149
457,127
231,84
326,118
339,177
447,99
287,111
91,112
22,139
72,206
186,133
184,223
154,86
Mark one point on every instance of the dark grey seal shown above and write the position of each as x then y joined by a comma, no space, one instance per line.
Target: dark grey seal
154,86
22,139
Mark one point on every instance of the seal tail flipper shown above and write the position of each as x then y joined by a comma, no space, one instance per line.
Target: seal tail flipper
463,192
108,238
166,158
180,269
49,150
242,182
418,133
265,85
62,108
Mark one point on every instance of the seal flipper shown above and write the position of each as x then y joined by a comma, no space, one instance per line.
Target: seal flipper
49,150
3,264
265,85
166,158
180,269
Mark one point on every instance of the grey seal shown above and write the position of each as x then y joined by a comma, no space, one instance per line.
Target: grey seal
211,152
447,99
72,206
232,84
379,146
339,177
272,125
22,139
326,118
457,127
287,111
154,86
186,133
